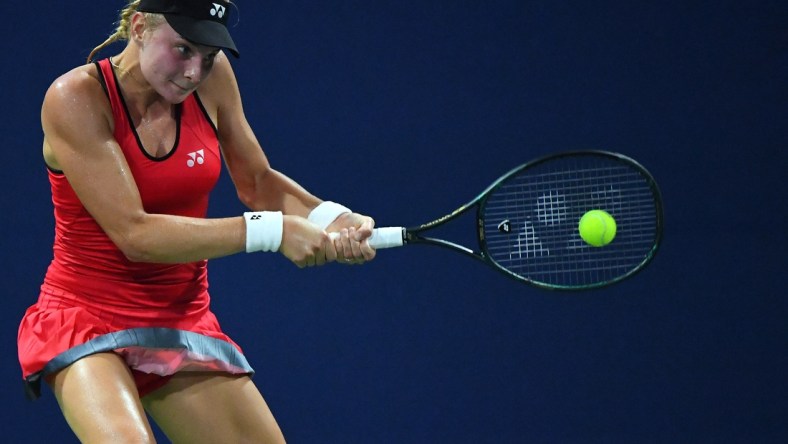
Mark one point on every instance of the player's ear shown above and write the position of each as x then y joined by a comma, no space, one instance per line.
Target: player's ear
137,27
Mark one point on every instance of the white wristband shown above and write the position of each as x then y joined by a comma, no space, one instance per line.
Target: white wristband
326,212
263,230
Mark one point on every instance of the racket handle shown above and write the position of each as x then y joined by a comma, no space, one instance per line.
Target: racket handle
386,237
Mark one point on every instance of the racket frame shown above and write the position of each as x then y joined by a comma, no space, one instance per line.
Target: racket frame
413,235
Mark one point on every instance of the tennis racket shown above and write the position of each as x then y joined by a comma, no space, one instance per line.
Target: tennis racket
527,221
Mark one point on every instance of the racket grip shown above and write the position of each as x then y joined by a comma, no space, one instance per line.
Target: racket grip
386,237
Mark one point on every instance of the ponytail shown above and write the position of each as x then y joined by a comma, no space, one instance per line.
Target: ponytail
122,29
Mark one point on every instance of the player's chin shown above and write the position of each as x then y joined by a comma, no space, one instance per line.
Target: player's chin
174,99
176,94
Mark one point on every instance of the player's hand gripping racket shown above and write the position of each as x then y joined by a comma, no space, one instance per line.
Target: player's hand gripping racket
527,221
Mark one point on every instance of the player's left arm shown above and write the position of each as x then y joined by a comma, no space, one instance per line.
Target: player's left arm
258,185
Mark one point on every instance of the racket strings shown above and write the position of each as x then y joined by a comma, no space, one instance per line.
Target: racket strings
540,207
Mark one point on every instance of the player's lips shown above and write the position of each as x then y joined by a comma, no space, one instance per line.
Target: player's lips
184,89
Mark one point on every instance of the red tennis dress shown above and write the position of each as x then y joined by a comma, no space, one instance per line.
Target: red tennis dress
93,299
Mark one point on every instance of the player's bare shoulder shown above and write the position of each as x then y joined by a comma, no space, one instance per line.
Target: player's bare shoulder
220,88
77,92
76,114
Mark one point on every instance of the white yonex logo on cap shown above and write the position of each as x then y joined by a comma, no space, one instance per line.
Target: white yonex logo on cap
218,10
197,157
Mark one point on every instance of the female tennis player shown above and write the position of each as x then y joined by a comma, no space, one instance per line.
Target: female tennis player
134,144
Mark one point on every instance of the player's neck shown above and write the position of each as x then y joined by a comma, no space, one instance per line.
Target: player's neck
137,92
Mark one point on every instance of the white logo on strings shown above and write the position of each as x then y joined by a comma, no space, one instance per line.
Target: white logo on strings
218,10
528,244
197,157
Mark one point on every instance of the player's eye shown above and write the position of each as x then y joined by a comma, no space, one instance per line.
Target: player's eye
184,50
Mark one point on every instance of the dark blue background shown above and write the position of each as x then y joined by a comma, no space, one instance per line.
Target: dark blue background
405,109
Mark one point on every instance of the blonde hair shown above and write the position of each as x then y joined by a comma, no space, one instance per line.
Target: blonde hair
124,24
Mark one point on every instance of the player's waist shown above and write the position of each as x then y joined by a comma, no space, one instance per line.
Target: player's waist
123,307
139,288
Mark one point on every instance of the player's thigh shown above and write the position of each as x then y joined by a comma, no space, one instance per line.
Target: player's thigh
99,400
212,408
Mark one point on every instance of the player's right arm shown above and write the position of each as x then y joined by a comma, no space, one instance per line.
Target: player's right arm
78,140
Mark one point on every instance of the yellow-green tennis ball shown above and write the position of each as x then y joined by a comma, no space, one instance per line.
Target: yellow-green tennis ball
597,228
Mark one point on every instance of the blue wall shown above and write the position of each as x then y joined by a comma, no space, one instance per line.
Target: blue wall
403,109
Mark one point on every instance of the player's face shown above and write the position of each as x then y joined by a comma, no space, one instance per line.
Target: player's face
174,66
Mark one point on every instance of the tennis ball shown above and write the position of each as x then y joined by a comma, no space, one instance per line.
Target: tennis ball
597,228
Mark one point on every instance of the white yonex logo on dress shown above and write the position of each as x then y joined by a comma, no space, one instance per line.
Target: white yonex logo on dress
218,10
197,157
